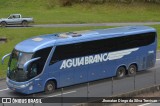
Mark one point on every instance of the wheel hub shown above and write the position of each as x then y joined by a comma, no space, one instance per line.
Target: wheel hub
132,70
121,73
50,87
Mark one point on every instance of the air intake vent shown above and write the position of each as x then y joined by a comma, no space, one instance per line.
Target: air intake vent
63,35
75,35
150,60
69,34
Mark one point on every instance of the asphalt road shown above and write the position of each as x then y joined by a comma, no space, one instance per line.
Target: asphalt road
87,24
101,88
98,24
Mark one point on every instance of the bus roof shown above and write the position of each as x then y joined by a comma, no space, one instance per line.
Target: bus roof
43,41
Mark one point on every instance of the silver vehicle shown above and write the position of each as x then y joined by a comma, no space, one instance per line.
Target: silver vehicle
15,19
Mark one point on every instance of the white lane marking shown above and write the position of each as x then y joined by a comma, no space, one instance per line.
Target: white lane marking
4,89
157,59
144,104
62,93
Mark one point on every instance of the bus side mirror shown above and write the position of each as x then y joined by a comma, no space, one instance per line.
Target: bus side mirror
5,57
25,66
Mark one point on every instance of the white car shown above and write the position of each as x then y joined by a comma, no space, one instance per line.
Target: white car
15,19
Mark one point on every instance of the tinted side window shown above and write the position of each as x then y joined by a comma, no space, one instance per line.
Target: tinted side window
133,41
140,40
100,46
38,65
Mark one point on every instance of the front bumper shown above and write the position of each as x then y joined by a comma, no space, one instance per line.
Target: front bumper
21,87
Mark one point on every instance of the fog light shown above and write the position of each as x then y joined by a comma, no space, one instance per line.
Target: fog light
31,87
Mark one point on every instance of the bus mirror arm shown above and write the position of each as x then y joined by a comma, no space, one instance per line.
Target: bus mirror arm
25,66
5,57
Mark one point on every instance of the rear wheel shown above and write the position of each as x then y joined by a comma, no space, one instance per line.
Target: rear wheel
3,24
121,72
132,70
50,87
24,23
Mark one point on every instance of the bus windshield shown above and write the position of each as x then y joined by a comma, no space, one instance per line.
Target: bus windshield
17,60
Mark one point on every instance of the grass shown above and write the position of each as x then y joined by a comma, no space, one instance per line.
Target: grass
46,12
17,35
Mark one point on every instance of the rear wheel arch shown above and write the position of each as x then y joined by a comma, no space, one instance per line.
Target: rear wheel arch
24,21
122,65
135,65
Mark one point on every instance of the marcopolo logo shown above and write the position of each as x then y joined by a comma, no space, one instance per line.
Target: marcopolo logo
75,62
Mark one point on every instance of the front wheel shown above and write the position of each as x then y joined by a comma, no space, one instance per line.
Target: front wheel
50,87
3,24
121,72
132,70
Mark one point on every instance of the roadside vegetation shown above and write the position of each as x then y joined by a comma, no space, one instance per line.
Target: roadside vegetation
15,36
82,11
70,2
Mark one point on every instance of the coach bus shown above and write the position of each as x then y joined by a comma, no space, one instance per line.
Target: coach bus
52,61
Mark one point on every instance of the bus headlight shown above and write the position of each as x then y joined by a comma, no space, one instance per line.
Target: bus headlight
31,87
25,85
22,86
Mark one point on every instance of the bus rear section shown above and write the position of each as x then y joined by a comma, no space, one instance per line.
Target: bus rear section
92,60
49,62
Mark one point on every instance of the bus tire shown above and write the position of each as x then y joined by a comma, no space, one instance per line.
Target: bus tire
50,87
121,72
132,70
